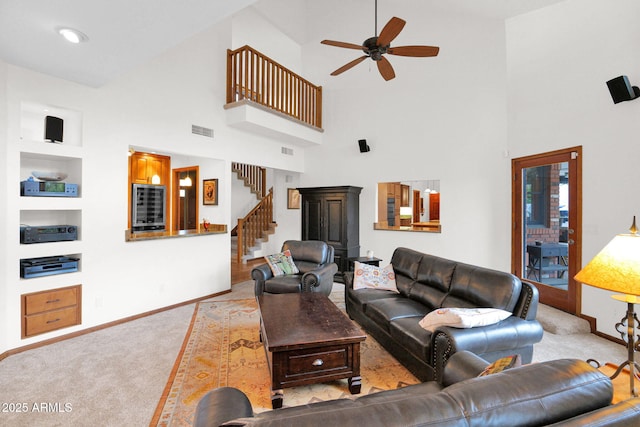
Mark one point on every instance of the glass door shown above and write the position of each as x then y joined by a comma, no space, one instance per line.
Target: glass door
546,207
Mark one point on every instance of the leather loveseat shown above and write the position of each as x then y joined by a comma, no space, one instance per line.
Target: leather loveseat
426,283
565,392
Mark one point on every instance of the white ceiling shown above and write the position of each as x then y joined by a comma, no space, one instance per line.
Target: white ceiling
126,33
122,33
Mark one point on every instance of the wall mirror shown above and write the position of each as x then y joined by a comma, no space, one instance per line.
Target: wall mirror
409,206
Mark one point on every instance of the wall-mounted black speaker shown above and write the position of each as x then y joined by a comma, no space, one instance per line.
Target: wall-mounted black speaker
621,89
363,146
53,128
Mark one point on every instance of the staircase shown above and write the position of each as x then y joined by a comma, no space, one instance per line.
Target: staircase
254,177
252,231
252,252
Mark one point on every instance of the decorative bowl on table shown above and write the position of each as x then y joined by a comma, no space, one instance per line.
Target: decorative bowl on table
49,176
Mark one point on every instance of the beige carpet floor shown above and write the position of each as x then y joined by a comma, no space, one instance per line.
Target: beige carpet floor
223,348
116,376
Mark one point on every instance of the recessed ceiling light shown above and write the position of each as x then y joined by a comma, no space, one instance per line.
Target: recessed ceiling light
72,35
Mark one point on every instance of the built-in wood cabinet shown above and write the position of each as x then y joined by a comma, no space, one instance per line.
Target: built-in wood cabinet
52,309
332,214
397,195
144,166
404,195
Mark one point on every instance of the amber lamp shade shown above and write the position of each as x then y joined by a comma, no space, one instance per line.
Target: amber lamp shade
617,268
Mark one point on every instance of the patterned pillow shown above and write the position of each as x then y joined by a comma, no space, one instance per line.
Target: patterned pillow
281,264
502,365
462,317
367,276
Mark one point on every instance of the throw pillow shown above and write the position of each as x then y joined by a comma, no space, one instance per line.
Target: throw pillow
502,365
367,276
281,264
462,317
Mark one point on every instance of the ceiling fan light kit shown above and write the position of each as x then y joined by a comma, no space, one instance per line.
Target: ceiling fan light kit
377,46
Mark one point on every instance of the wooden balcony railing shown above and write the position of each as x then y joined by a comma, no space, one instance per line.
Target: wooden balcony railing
254,76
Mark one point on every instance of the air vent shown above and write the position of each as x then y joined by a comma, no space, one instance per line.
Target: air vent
201,130
287,151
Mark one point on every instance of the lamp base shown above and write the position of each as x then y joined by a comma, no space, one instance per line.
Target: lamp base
626,322
634,369
630,322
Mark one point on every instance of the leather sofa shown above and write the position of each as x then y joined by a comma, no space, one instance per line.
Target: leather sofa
425,283
313,258
565,392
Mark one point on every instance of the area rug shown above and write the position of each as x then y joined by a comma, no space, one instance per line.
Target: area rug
222,348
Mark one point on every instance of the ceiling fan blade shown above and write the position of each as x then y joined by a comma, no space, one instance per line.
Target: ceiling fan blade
342,44
385,68
351,64
390,31
414,51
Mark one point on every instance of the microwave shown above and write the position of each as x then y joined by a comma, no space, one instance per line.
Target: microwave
148,207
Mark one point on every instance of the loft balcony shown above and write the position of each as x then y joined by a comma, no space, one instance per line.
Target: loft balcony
266,98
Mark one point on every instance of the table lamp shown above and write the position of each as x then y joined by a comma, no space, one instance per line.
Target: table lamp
617,268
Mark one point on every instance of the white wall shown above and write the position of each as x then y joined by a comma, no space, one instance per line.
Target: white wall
251,28
289,224
440,118
5,321
559,59
151,107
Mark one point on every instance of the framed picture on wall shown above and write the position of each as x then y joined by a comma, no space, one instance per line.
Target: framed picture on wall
293,198
210,191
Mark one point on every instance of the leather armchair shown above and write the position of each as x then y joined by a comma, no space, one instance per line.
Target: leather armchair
313,258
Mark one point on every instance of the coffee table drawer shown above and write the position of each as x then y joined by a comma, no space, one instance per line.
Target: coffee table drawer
312,365
315,360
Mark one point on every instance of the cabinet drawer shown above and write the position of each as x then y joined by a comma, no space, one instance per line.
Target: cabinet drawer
318,360
51,320
50,300
51,309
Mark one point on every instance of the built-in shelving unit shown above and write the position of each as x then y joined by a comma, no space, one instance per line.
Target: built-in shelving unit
50,302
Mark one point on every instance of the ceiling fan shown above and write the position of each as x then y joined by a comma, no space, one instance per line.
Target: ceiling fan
375,47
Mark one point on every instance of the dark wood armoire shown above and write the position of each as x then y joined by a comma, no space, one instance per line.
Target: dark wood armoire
332,214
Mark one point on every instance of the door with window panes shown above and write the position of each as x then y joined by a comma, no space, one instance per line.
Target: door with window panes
546,206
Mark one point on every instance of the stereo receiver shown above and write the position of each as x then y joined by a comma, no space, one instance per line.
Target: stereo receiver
46,266
48,188
47,233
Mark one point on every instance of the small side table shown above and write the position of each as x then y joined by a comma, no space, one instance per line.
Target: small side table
540,257
363,260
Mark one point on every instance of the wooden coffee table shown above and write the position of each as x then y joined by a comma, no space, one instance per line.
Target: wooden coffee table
308,340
